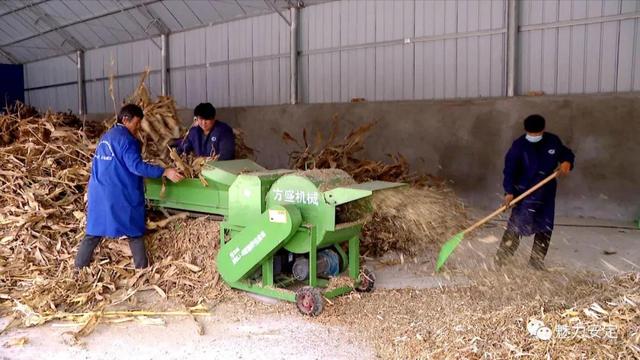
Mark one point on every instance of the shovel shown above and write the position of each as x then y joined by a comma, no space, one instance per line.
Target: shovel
451,244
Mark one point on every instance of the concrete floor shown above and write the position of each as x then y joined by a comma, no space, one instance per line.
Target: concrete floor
278,335
577,244
264,337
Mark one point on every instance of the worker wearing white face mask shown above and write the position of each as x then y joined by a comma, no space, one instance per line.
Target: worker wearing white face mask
531,158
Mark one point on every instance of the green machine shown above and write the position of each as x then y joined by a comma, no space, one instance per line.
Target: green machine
286,234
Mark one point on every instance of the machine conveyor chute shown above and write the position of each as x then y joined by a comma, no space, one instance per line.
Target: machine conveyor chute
344,194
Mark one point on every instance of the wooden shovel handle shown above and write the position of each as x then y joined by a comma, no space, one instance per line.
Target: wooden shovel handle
513,202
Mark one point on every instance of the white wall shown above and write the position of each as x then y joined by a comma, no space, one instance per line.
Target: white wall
40,75
377,50
403,50
575,47
245,62
127,62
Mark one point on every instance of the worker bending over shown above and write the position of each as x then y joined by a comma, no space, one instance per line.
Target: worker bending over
532,158
116,204
208,137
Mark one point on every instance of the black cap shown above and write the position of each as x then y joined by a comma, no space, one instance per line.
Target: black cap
205,111
534,123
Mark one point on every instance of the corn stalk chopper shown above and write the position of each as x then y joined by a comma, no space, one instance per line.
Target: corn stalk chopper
286,234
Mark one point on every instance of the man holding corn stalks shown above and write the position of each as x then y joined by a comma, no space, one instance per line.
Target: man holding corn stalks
116,206
209,137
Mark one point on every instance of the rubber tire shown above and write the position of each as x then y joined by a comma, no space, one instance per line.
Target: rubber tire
367,280
309,301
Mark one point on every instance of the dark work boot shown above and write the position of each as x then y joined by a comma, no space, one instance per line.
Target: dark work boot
540,248
85,251
139,252
508,246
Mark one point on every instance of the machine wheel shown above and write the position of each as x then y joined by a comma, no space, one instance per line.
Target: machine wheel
367,280
309,301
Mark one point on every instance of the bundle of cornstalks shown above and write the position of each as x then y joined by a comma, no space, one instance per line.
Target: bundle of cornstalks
411,220
42,185
190,165
161,130
160,125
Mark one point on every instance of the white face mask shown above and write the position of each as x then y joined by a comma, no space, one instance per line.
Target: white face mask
533,139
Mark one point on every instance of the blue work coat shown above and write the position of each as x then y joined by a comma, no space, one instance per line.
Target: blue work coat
220,141
116,190
526,164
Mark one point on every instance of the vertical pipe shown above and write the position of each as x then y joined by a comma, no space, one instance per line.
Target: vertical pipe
294,54
512,46
164,57
82,103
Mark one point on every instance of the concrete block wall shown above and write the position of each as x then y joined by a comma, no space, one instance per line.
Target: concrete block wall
466,140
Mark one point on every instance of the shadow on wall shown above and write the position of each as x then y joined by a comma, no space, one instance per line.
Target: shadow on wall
466,140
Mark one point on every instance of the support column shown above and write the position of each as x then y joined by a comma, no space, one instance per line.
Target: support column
164,61
293,11
512,46
82,103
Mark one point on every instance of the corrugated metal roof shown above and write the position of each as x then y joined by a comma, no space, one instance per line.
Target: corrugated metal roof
36,29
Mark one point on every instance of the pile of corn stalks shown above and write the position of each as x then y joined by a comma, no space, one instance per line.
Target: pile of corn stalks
334,154
46,166
160,124
410,220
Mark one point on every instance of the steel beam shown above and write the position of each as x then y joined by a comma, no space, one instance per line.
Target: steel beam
12,59
80,21
293,49
164,60
404,41
82,103
275,8
512,46
588,21
13,11
241,8
156,21
54,27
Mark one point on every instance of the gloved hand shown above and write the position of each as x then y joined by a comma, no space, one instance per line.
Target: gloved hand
565,168
508,198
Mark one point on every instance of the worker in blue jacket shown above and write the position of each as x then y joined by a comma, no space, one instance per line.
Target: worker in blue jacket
116,205
531,158
208,137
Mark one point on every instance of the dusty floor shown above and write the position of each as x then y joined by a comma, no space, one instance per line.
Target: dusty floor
244,328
